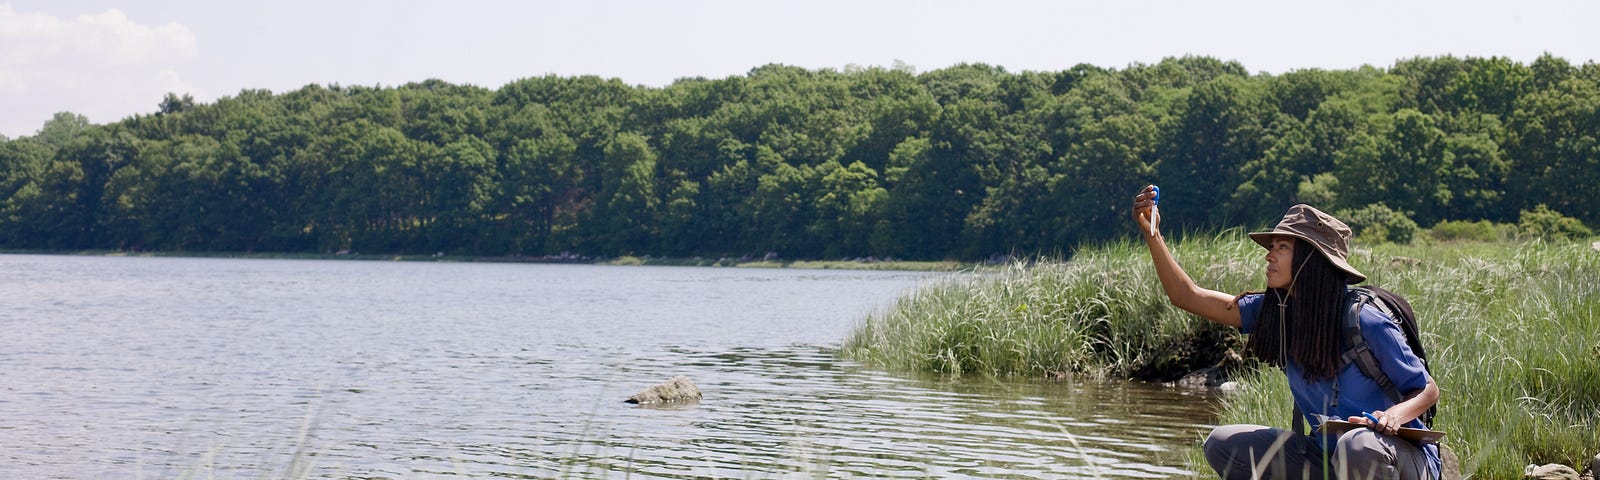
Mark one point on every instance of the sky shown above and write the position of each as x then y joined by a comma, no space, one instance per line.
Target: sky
109,60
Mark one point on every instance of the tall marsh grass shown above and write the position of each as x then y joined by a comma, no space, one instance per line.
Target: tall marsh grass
1100,315
1512,330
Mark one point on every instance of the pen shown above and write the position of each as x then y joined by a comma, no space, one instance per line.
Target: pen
1371,418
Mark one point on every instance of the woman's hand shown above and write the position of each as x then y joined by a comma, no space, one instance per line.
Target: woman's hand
1386,424
1416,403
1180,289
1142,203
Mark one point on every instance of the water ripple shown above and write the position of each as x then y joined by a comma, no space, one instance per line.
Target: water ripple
216,368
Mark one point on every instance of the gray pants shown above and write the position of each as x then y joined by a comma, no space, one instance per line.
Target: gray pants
1236,452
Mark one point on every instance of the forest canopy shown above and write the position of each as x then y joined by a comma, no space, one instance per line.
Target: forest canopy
963,162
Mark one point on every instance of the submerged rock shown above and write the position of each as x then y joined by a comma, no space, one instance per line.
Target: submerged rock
677,390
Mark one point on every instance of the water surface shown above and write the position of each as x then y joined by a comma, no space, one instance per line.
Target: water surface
230,368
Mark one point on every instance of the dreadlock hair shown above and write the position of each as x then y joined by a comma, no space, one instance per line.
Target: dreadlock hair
1315,299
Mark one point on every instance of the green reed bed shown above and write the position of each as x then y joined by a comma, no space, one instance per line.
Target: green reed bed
1099,315
1513,331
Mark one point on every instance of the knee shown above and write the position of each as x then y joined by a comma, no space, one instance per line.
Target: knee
1233,450
1363,453
1364,445
1218,439
1221,455
1224,443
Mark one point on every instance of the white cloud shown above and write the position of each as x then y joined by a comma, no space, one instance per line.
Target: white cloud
102,65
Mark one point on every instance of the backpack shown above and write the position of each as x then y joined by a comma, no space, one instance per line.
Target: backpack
1355,347
1356,351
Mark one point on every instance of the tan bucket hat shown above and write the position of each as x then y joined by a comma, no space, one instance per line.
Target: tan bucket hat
1328,234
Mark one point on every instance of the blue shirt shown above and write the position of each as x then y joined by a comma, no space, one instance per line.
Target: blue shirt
1357,393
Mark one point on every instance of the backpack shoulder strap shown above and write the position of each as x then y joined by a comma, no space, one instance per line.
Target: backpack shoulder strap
1356,350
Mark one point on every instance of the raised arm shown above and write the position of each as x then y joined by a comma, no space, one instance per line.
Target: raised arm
1180,289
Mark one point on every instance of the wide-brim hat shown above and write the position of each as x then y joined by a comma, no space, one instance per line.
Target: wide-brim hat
1329,235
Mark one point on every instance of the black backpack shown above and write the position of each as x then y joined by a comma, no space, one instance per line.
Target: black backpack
1356,351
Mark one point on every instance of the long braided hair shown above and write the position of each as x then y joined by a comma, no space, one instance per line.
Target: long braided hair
1312,304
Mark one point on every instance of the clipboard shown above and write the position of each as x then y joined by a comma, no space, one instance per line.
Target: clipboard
1413,434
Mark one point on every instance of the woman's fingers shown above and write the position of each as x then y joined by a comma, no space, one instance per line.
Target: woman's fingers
1141,201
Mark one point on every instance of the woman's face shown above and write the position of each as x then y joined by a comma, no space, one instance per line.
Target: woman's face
1280,260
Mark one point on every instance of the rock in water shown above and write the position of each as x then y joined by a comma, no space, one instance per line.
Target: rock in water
677,390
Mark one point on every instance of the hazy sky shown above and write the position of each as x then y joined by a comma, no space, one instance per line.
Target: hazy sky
112,59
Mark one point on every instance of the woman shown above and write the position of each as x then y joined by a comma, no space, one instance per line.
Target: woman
1296,325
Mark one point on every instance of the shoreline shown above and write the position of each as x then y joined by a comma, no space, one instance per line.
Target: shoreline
725,262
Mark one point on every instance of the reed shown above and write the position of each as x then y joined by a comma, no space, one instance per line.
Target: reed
1513,331
1099,315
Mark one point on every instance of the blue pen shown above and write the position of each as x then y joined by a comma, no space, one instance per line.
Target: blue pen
1371,418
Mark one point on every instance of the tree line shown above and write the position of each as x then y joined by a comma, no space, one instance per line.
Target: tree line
961,162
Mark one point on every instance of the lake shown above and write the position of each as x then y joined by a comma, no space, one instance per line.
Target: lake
161,368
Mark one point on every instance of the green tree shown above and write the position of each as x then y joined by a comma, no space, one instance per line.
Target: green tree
459,189
172,103
1549,70
97,154
628,216
46,212
437,112
1479,168
1020,213
1553,141
846,206
1300,92
1425,83
1223,125
1489,85
541,193
780,211
62,128
1091,194
681,232
936,182
33,193
895,107
727,218
1402,160
960,162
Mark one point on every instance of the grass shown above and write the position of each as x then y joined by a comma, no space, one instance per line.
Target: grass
1100,315
1513,331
